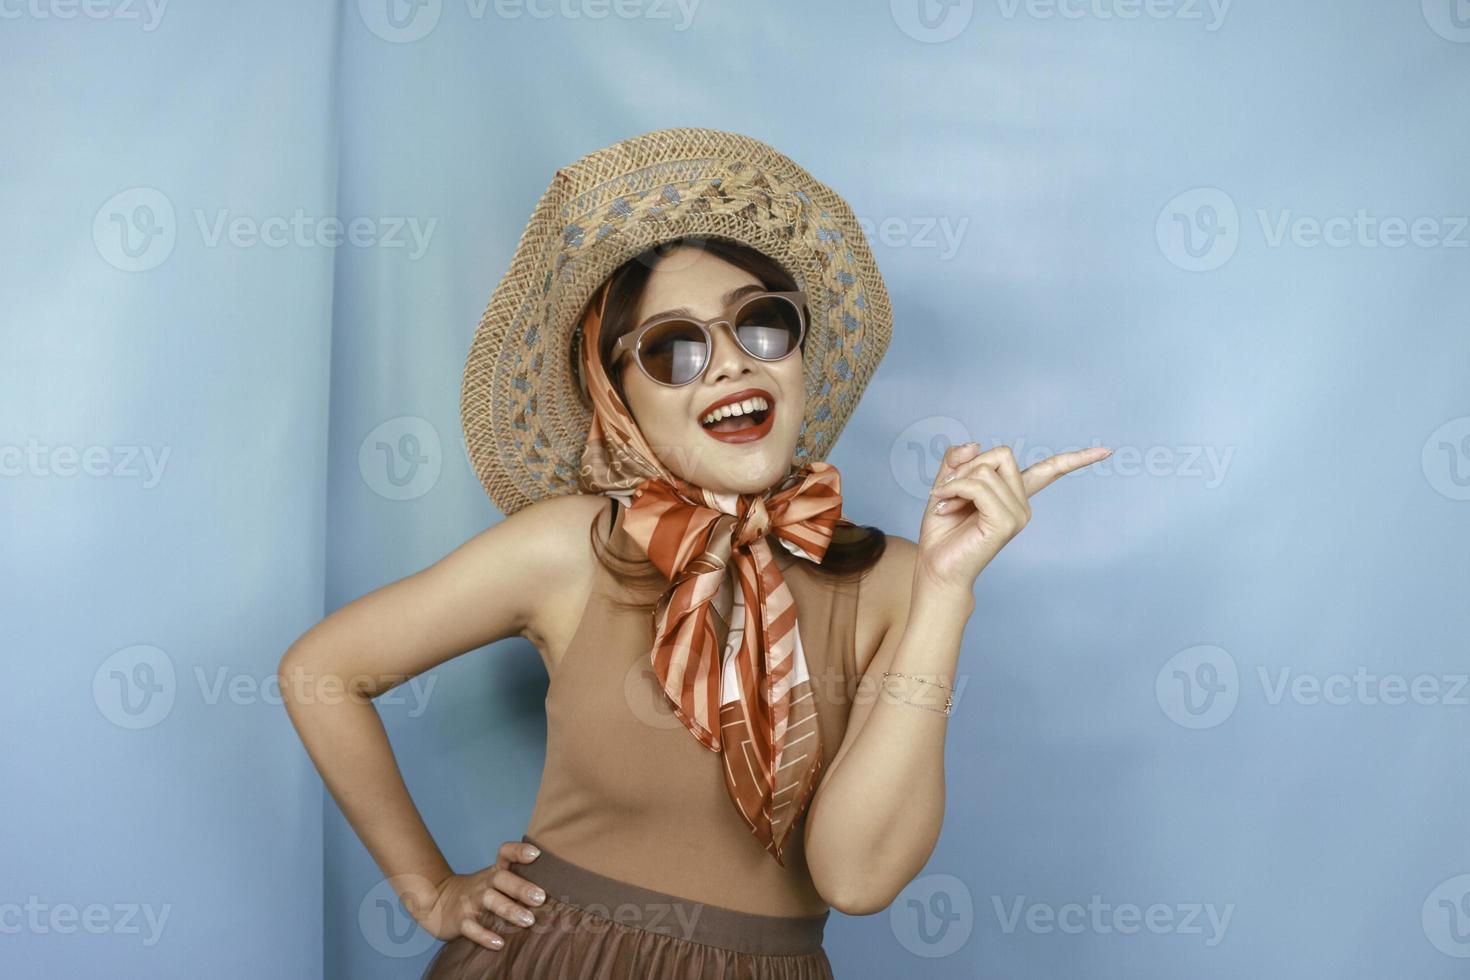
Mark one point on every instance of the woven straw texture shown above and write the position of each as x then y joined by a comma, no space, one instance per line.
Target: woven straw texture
525,424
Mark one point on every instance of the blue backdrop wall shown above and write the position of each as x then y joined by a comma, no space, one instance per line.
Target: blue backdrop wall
1213,701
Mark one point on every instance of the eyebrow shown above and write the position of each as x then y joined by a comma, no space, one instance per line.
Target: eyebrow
728,300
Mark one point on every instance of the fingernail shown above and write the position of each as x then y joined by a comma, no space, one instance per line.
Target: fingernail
537,895
948,478
939,507
533,852
527,918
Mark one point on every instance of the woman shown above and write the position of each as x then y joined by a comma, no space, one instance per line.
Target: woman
749,693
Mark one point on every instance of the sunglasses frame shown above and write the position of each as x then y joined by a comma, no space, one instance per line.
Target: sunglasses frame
632,341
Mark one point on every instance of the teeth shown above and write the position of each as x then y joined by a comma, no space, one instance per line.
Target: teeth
736,408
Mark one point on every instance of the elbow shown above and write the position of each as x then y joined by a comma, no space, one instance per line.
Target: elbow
290,667
856,898
867,885
848,892
845,884
300,671
312,671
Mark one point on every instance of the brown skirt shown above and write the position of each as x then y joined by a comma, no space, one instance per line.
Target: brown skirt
592,927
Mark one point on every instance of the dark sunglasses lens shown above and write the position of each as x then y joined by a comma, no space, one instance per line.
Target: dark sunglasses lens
674,352
769,328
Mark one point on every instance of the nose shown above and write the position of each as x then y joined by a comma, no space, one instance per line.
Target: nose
727,359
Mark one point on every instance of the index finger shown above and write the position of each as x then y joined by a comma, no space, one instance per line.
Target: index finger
517,852
1043,474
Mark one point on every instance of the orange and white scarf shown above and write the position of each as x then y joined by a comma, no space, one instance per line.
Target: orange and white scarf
726,648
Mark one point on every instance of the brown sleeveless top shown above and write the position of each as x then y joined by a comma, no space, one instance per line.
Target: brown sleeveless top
627,790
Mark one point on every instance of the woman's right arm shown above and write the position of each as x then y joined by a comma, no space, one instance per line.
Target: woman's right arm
522,576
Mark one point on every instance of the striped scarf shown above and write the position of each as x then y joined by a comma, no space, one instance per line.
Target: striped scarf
726,649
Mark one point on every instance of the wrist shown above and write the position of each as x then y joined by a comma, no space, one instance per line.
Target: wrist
932,597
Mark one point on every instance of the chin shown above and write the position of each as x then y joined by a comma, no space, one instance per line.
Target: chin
732,469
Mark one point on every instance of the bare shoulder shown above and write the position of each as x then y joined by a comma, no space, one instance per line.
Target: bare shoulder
560,525
564,563
885,596
516,577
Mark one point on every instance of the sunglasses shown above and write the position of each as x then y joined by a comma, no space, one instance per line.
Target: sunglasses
675,350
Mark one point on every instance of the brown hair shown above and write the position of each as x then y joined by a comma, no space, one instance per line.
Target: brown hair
853,551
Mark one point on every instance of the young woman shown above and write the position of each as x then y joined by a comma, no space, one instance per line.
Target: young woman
749,693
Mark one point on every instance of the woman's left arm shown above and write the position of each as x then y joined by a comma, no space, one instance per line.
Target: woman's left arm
878,810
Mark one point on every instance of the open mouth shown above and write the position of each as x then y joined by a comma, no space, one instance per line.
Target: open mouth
740,421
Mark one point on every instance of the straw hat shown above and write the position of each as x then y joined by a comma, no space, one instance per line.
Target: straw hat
525,424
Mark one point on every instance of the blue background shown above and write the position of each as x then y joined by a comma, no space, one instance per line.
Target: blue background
1095,220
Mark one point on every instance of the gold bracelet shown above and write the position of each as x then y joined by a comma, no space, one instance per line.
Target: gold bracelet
948,700
896,673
